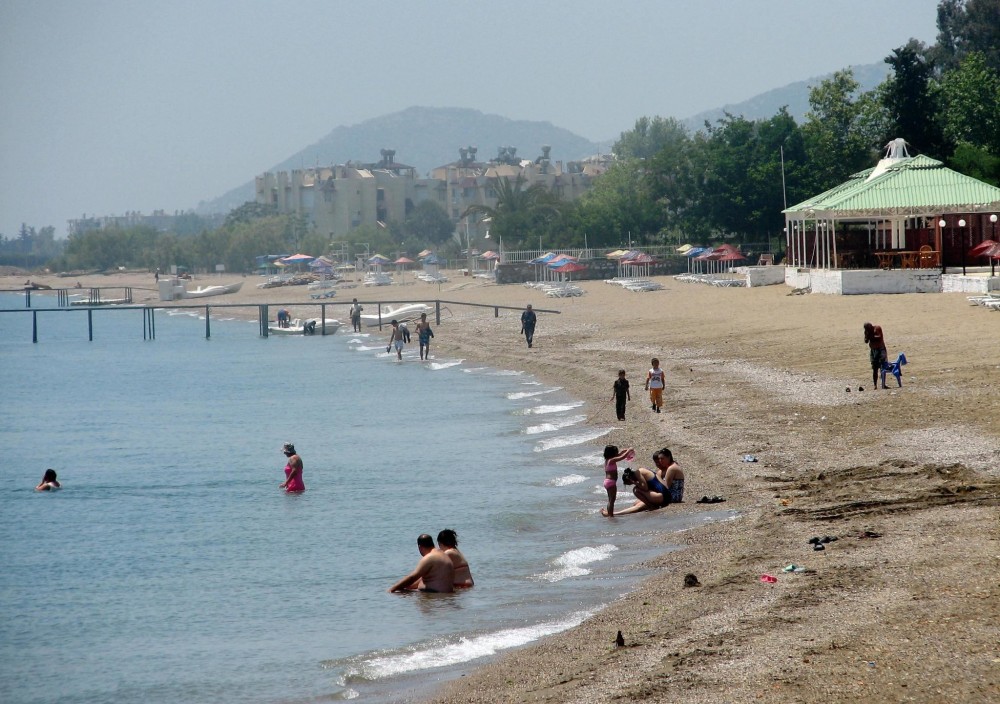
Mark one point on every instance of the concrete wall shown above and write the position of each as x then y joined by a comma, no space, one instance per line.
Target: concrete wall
762,275
851,282
956,283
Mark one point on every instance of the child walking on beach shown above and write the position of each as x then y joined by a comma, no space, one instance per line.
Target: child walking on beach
611,459
620,394
655,381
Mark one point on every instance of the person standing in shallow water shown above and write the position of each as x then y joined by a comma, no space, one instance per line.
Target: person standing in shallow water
424,335
356,309
395,341
528,320
293,470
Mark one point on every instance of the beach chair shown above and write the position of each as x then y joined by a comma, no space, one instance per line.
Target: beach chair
894,369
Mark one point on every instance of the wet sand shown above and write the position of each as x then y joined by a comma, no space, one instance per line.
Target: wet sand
903,606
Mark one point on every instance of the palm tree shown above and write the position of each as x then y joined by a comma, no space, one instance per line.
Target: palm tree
517,208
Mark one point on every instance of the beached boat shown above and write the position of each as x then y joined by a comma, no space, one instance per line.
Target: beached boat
213,290
406,312
305,326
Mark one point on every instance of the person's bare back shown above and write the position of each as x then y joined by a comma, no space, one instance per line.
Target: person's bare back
434,572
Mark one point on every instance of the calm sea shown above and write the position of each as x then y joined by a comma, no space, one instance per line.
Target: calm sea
171,568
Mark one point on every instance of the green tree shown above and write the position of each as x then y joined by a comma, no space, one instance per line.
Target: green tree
841,130
648,137
518,210
970,102
966,27
618,204
911,101
428,222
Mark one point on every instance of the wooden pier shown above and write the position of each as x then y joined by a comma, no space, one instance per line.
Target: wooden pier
148,313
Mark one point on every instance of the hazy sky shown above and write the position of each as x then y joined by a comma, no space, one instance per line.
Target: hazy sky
108,106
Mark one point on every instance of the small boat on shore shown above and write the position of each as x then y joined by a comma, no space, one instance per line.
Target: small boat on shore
213,290
403,313
305,326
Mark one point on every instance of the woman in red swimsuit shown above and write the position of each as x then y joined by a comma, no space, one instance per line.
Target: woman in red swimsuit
293,470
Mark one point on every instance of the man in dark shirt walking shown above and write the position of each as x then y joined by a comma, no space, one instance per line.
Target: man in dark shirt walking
528,320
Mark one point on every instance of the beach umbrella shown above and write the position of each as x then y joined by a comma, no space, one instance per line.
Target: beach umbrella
617,254
730,256
297,259
983,248
568,267
403,260
424,253
489,254
378,259
684,248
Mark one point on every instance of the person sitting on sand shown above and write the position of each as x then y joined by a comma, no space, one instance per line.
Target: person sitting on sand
648,489
448,541
670,474
49,481
435,573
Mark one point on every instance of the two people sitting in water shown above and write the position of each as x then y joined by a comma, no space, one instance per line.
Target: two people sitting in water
441,569
49,481
653,490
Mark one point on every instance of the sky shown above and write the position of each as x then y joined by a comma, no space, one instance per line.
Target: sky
110,106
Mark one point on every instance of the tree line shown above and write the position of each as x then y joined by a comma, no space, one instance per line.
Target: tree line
727,181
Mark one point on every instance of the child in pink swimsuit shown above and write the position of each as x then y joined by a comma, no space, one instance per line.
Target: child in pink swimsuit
611,459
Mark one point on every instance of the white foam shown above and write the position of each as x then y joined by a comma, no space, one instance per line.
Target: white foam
582,460
444,365
568,480
443,654
571,564
354,341
513,396
556,424
567,440
553,408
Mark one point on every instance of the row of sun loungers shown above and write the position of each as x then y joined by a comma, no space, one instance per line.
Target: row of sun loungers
989,300
712,279
635,285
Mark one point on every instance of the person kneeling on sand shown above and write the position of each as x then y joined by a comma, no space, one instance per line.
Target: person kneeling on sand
670,474
648,489
448,541
434,573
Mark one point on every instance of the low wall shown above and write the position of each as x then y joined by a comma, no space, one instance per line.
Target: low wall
762,275
957,283
853,282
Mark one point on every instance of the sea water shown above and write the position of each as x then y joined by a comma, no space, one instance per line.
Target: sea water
171,567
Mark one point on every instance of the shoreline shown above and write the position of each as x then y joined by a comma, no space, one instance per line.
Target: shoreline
754,371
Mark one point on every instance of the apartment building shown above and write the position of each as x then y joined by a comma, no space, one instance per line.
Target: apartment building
338,199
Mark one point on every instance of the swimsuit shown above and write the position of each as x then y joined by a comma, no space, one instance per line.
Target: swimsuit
610,474
293,484
656,485
677,491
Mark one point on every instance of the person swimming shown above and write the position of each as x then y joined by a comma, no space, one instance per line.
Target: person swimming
49,481
448,541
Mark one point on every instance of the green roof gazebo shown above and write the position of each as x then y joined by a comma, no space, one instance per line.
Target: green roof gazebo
884,216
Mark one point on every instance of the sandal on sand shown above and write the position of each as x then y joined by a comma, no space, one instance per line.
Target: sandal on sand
828,538
703,500
768,579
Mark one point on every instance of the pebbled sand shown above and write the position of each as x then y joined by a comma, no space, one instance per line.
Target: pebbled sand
911,615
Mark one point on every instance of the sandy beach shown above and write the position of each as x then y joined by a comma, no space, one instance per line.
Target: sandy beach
903,606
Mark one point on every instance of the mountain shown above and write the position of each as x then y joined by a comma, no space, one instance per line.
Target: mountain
794,95
429,137
424,138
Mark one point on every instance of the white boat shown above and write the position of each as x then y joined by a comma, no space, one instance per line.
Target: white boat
403,313
304,326
212,290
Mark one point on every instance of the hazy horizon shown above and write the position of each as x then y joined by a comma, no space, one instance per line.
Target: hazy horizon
114,106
